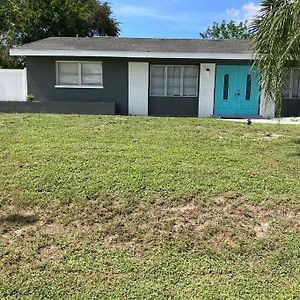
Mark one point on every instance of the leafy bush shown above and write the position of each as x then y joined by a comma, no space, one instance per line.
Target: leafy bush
30,98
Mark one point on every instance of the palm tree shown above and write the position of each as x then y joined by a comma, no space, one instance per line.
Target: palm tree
276,44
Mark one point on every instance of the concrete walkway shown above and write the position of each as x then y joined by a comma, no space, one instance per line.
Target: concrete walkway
288,121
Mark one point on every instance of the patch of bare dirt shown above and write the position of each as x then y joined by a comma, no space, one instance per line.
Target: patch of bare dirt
54,228
262,230
213,222
51,253
270,136
263,136
138,225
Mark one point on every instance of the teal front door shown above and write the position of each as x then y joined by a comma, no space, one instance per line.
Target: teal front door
237,91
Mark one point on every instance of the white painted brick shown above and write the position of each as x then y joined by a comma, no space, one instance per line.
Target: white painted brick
267,109
138,85
207,90
13,85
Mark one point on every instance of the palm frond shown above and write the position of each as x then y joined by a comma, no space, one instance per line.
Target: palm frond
276,45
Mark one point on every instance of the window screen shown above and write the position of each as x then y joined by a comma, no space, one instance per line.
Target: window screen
67,73
190,81
291,84
79,73
174,81
295,84
91,73
157,81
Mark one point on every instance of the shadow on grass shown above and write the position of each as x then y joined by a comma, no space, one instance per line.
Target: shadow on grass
297,141
19,219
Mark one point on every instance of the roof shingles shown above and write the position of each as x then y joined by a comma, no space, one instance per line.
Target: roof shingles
140,45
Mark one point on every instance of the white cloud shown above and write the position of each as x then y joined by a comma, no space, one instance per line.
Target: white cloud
247,12
250,10
232,13
142,11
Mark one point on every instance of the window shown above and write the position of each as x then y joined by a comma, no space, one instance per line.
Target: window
174,81
79,74
248,87
226,87
291,84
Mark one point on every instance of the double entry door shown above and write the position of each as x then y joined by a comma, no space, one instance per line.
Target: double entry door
237,90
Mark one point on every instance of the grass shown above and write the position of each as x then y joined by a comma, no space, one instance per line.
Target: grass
148,208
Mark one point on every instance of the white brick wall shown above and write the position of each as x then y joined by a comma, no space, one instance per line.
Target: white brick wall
138,85
267,109
13,85
206,90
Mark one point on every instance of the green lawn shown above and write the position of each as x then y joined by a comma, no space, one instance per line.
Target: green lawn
148,208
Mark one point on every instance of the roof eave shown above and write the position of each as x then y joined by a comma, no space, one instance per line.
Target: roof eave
130,54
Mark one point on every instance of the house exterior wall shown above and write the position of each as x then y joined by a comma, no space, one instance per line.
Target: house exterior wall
173,106
138,86
58,107
41,73
290,108
266,109
13,85
126,83
207,89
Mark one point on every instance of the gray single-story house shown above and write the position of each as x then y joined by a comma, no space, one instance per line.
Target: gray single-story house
145,76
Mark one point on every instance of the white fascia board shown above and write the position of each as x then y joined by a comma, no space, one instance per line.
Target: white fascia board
130,54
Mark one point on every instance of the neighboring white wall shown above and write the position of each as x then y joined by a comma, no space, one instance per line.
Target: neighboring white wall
267,109
138,86
207,90
13,85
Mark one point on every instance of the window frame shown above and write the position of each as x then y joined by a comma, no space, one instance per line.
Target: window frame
79,67
165,95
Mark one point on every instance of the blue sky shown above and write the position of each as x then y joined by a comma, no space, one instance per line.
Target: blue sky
177,18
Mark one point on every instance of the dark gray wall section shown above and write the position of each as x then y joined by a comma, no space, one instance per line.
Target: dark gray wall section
173,106
41,76
290,108
58,107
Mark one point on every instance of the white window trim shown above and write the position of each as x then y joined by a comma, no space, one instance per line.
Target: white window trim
79,86
181,81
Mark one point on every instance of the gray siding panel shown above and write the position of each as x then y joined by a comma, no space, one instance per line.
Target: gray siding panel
173,106
42,79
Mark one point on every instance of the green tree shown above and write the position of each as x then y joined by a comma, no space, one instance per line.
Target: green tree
225,30
30,20
276,44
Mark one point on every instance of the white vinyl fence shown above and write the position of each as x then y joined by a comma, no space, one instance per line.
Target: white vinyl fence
13,85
